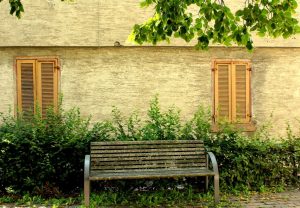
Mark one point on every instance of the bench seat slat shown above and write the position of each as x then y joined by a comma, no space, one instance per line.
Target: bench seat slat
142,162
146,146
105,151
147,166
155,173
145,154
176,157
147,142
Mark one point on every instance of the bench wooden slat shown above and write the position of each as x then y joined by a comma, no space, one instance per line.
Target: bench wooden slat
150,171
147,142
148,166
104,151
146,158
154,173
146,146
141,162
145,154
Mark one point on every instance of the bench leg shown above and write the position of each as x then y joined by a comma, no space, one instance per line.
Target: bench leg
216,189
87,190
216,176
206,183
87,182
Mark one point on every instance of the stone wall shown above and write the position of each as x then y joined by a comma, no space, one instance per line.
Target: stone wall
89,23
96,79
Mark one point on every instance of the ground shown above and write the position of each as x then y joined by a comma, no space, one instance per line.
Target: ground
286,199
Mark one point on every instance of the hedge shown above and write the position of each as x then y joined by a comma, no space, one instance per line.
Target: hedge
45,156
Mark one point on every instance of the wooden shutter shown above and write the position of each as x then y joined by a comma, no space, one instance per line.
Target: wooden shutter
26,86
232,91
240,93
223,91
37,85
47,84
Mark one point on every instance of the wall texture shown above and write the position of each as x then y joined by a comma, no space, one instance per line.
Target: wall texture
96,79
89,23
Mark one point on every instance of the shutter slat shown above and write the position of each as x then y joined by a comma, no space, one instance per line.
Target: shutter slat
47,85
224,91
240,92
27,88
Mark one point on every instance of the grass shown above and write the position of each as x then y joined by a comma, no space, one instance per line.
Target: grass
134,199
33,201
174,196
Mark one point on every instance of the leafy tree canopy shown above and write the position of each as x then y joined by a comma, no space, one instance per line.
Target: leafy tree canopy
214,22
217,23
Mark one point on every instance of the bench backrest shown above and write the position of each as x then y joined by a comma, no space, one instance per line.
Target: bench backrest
138,155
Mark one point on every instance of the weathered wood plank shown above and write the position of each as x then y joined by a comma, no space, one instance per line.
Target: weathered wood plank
152,171
104,151
145,146
156,173
142,162
148,142
145,154
148,166
146,158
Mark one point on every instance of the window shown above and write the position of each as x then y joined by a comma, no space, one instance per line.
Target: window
37,84
232,91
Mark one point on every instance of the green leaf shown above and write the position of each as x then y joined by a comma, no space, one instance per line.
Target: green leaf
145,3
239,13
217,22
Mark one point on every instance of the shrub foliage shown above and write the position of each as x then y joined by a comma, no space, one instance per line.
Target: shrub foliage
45,155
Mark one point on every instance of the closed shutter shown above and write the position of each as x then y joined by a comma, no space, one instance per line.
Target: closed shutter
37,85
240,93
26,86
232,91
223,91
47,90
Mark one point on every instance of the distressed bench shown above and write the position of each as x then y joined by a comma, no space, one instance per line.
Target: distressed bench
148,160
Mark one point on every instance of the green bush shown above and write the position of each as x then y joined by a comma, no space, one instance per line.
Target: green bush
250,163
157,126
45,156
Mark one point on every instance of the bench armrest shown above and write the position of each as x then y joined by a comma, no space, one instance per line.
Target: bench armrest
213,160
87,162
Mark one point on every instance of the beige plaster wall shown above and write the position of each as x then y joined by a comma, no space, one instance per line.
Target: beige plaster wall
95,79
89,23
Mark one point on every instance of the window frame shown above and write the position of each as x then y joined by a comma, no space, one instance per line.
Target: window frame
37,92
247,125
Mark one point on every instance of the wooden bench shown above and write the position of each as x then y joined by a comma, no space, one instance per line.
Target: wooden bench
148,160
